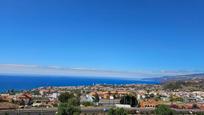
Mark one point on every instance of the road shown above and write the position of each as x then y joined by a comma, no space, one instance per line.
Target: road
53,111
29,112
45,111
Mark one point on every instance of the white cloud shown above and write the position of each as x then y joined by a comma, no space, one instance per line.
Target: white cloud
56,70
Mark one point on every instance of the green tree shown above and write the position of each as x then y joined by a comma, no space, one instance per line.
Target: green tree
152,95
164,110
74,101
96,98
86,104
111,111
64,97
130,100
69,104
66,109
195,106
117,111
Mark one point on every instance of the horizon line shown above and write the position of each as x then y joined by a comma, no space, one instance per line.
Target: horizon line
26,69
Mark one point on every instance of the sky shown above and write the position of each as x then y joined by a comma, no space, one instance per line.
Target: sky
154,37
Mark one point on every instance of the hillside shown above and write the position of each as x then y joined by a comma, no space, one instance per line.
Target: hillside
192,82
178,78
185,85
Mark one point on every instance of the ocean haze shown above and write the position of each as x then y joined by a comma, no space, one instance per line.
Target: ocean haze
21,69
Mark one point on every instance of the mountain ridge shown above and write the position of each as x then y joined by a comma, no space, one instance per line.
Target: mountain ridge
163,79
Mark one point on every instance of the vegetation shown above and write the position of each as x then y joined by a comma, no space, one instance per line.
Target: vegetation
195,106
129,100
185,85
86,104
200,113
173,85
35,92
64,97
69,104
96,99
67,109
164,110
117,111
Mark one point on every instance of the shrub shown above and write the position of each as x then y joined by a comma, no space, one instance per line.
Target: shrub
164,110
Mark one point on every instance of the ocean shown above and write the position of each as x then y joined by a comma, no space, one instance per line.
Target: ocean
17,82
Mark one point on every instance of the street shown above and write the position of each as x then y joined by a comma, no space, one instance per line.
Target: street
52,111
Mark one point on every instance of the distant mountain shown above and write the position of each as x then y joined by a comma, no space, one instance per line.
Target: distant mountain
192,82
178,78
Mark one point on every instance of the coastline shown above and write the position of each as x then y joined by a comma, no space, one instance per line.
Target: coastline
27,83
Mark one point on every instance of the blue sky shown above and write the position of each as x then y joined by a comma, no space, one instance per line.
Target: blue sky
118,35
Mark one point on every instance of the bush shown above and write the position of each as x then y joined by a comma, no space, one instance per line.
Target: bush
164,110
64,97
117,111
69,104
86,104
66,109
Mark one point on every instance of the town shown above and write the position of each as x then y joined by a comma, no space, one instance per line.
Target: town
101,57
101,99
